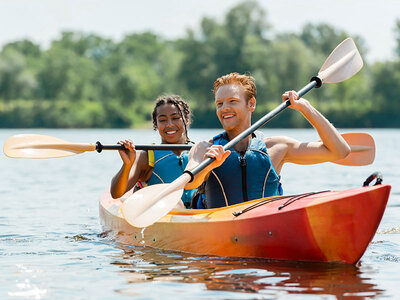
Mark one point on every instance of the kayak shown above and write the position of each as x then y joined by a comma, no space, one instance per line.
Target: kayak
328,226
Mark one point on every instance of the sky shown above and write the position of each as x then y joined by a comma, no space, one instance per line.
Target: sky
43,20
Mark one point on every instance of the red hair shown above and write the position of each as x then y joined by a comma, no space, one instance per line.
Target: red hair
246,81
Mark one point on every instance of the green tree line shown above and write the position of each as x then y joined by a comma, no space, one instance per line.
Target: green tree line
85,80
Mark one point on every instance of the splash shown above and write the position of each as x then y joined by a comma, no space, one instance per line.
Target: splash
391,230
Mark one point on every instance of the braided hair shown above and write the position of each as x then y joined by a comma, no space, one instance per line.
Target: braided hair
180,104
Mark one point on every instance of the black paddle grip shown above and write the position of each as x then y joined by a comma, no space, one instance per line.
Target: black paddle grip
317,80
100,147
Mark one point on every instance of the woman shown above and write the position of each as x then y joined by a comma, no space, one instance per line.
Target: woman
171,118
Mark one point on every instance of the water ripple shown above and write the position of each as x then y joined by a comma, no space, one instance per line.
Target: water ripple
52,246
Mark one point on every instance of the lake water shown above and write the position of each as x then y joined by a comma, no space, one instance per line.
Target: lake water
51,246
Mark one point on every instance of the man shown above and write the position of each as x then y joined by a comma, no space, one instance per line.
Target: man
251,170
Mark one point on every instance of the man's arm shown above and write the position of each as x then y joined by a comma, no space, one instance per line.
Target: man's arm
331,147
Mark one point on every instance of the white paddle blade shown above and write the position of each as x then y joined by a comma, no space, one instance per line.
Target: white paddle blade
151,203
344,62
42,146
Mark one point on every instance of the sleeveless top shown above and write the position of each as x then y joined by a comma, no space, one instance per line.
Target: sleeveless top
167,166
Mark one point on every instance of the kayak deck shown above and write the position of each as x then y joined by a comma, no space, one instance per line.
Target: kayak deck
327,226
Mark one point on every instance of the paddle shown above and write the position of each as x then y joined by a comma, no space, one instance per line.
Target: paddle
362,147
44,146
148,205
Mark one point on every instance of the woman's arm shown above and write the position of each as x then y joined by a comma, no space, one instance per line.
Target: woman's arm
135,163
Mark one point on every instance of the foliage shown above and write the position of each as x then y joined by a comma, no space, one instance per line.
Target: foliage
397,36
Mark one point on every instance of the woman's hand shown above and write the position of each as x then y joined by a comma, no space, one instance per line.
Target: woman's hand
128,156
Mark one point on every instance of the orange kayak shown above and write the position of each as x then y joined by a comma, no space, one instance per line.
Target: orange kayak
332,226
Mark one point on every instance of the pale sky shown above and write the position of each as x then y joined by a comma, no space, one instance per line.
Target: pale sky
42,20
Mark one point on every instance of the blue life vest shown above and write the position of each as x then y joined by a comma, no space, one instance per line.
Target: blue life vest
240,179
167,167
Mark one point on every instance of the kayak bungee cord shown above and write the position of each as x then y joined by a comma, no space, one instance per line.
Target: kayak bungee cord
298,197
292,198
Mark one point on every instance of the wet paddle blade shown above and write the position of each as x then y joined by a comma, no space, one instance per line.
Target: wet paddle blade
42,146
344,62
151,203
362,149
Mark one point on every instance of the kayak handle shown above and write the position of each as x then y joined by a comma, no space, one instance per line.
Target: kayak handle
376,175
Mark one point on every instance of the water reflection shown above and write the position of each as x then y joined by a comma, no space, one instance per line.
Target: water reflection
258,277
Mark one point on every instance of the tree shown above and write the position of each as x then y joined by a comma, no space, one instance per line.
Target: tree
386,85
65,75
15,80
397,36
24,47
221,48
323,38
90,45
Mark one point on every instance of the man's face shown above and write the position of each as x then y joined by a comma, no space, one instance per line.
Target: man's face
233,110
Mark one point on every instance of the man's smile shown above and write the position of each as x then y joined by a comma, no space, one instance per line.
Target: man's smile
228,116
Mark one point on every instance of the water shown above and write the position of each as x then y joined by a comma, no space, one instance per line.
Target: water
51,246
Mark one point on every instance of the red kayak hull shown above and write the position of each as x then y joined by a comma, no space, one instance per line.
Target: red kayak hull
326,227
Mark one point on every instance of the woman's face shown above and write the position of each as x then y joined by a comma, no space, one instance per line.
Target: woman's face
170,124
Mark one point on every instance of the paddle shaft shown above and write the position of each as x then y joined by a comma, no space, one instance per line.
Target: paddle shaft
100,147
315,82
